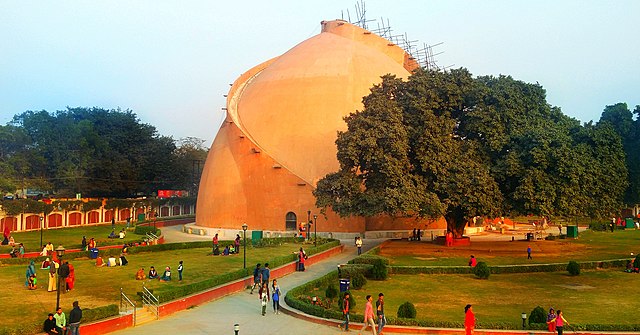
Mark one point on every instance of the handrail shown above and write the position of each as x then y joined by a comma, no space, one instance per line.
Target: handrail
152,235
150,300
127,301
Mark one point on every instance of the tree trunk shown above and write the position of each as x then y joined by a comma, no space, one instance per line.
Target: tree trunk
455,222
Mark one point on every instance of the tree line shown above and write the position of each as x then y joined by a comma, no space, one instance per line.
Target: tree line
445,143
97,152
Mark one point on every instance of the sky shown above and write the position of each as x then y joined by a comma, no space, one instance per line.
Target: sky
171,62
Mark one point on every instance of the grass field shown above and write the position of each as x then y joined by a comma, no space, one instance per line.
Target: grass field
70,238
589,246
101,286
596,297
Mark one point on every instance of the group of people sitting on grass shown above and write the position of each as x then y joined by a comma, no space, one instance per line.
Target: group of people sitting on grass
58,324
229,249
121,234
153,274
633,266
17,251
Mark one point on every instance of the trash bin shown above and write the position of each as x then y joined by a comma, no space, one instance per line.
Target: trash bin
344,284
93,253
572,231
629,223
256,235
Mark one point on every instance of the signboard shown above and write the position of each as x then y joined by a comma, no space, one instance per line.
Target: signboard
172,193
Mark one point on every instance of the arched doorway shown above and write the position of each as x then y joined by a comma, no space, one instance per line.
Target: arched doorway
75,219
94,217
54,220
9,221
108,215
32,222
164,211
291,221
176,210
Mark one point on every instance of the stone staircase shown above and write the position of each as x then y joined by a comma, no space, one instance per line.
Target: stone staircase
144,315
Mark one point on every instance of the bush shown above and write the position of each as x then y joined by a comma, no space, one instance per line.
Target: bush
379,271
482,270
636,262
537,315
143,230
369,259
573,268
357,281
407,311
331,292
352,301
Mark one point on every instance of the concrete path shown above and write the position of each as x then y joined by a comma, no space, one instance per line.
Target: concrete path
219,316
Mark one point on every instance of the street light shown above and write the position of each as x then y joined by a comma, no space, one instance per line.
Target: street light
308,224
41,224
524,318
244,231
315,229
236,327
60,252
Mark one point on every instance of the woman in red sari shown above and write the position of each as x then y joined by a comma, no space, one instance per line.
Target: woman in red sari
71,279
469,320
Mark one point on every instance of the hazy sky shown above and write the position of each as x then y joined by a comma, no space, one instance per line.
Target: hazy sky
171,62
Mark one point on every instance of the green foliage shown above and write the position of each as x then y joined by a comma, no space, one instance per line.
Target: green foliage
143,230
537,315
482,270
573,268
358,281
379,270
407,310
636,262
369,259
399,155
331,292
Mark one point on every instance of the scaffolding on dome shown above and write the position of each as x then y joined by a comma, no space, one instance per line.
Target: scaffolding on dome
423,55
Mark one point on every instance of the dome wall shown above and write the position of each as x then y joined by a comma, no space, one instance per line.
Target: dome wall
282,121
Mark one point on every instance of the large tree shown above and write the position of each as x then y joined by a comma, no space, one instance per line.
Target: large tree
627,126
447,144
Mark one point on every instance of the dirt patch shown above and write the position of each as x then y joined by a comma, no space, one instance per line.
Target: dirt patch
428,251
577,287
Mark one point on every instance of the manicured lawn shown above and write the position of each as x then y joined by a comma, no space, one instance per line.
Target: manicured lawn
70,238
589,246
101,286
594,297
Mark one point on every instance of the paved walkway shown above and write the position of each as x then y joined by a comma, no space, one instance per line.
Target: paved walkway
219,316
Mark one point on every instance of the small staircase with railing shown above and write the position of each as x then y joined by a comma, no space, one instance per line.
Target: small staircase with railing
149,311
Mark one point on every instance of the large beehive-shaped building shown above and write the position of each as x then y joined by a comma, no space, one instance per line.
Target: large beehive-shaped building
279,135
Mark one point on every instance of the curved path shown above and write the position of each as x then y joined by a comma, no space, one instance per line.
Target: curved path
219,316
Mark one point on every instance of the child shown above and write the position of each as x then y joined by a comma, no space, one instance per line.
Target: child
180,267
33,282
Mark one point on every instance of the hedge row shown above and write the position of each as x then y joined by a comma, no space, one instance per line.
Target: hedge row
88,315
367,258
501,269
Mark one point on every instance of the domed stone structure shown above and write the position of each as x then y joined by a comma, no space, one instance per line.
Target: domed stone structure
279,135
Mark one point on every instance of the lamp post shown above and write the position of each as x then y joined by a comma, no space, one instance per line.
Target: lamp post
41,225
244,232
236,327
315,229
308,224
524,318
60,252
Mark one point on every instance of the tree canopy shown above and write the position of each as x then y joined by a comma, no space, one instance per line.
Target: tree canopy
93,151
444,143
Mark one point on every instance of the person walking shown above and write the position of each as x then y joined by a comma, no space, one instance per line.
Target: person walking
275,296
469,320
345,313
74,319
180,268
264,297
266,273
359,245
529,252
560,321
257,277
302,256
382,320
368,317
